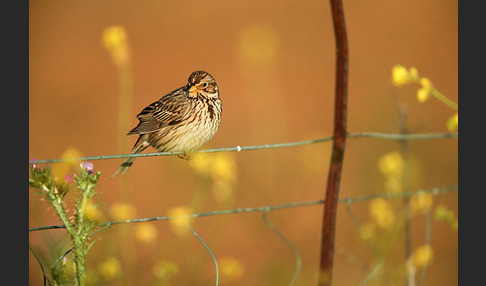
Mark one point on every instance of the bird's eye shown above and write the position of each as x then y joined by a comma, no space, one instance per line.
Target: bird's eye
205,84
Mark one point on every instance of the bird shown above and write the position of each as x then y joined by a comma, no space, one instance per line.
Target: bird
181,121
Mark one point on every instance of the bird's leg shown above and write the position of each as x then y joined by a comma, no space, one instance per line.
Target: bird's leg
185,156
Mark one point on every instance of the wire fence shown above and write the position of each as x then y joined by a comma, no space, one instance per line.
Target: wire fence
373,135
270,208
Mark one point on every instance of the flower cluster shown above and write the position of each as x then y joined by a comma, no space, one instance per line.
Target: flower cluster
402,76
442,213
221,169
115,40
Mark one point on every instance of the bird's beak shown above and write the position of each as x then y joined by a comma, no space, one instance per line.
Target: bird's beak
193,90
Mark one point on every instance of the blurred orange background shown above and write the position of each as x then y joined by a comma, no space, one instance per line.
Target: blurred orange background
274,62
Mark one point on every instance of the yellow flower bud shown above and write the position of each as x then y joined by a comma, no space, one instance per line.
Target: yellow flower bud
413,73
453,122
59,171
179,224
391,164
110,268
382,212
426,83
91,212
122,211
115,40
421,202
165,269
146,232
442,213
231,269
201,163
423,256
423,94
400,75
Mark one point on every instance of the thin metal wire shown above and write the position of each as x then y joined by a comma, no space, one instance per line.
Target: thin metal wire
372,135
62,256
298,260
433,191
40,264
378,264
207,248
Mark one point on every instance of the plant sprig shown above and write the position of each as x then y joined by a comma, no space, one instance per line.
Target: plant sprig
80,228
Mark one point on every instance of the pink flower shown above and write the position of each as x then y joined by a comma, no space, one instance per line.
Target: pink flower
88,166
33,165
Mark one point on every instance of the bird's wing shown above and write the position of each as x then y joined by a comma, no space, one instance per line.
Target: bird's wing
166,111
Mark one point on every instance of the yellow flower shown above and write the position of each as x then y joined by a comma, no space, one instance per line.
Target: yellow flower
201,163
92,213
114,37
423,94
218,166
122,211
413,73
110,268
442,213
453,122
224,167
421,202
231,269
146,232
179,224
165,269
426,83
115,40
381,212
221,167
61,170
400,75
422,256
391,164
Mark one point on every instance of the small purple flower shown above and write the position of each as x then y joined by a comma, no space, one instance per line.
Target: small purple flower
67,178
33,165
88,166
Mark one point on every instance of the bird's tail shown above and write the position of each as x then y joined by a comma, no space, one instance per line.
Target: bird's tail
139,146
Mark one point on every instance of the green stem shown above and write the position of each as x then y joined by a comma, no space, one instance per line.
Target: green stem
80,209
61,211
78,260
81,235
78,253
443,98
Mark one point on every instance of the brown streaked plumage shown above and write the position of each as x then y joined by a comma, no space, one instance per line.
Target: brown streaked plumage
181,121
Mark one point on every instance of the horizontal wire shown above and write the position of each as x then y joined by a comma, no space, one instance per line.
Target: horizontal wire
374,135
433,191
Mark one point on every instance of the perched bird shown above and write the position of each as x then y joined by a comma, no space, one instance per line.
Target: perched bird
181,121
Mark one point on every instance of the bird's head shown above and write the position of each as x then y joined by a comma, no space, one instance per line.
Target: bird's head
202,84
